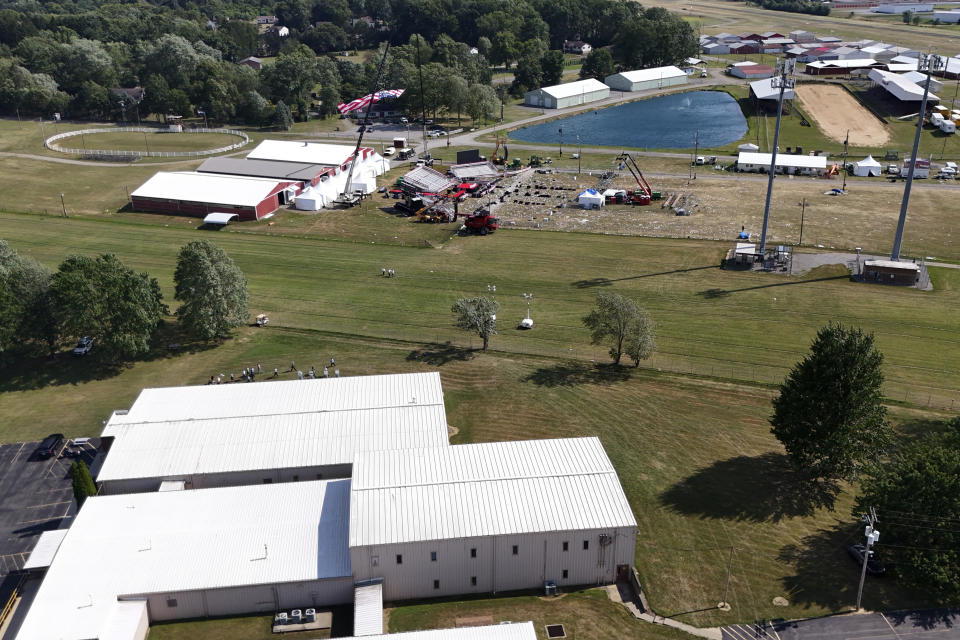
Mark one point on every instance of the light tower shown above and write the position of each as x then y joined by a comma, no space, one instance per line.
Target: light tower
782,80
527,323
924,63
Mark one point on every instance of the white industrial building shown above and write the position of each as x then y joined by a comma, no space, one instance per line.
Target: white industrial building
900,7
900,87
130,560
233,434
947,17
492,517
643,79
369,165
764,90
786,163
570,94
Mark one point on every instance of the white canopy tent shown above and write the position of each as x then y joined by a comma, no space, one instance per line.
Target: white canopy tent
590,199
220,218
748,146
867,167
309,200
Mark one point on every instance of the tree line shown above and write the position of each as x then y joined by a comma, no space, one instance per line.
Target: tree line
66,57
119,308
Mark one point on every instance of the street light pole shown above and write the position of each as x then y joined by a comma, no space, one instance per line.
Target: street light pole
872,537
561,142
579,153
803,210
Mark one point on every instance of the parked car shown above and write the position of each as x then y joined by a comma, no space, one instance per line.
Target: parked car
893,169
83,346
50,446
856,552
389,151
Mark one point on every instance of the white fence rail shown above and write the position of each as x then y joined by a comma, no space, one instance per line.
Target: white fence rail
108,153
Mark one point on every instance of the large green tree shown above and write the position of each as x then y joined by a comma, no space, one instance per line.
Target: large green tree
829,414
83,485
24,285
478,315
622,323
917,498
103,298
212,290
598,65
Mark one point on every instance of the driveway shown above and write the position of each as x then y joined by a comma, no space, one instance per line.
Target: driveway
937,624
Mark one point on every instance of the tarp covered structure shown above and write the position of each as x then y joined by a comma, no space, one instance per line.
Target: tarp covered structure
590,199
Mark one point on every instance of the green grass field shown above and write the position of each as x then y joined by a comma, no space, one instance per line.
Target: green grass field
155,141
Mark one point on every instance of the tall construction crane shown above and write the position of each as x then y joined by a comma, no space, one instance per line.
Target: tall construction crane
348,198
643,194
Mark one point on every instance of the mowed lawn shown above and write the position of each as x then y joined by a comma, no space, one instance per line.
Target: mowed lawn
149,141
694,453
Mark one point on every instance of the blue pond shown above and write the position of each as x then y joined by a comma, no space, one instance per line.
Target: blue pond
667,122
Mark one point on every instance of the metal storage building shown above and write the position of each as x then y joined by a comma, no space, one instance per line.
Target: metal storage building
197,194
492,517
130,560
900,87
234,434
764,90
305,174
643,79
567,95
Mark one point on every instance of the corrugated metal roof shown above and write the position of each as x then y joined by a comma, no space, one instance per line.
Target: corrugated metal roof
658,73
282,398
45,549
511,631
764,90
191,186
575,88
186,540
287,441
485,489
263,168
331,155
368,609
125,620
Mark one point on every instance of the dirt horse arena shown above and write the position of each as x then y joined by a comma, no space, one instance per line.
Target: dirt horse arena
836,111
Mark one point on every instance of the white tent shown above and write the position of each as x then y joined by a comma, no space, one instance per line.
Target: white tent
748,146
867,167
590,199
309,200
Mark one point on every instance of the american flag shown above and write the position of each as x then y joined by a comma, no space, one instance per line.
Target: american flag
360,103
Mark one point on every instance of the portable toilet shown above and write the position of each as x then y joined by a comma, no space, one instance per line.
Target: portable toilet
936,118
948,126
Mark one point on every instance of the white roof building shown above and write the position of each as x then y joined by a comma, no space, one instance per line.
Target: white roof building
229,434
503,631
764,90
567,95
208,187
899,86
489,489
185,554
330,155
642,79
919,78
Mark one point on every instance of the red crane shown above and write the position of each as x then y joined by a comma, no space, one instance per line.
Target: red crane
644,194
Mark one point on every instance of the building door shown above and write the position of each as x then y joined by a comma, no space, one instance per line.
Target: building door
623,572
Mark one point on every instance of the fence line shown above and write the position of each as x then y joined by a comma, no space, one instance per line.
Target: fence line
48,143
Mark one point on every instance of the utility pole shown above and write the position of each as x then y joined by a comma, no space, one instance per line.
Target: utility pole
63,206
696,152
579,153
803,210
784,81
872,537
924,63
846,141
561,143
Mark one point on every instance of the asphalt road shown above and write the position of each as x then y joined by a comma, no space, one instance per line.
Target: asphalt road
938,624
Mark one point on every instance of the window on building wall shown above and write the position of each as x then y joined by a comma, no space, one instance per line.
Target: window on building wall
433,556
473,581
399,558
566,546
296,478
436,584
374,561
516,550
586,545
565,573
268,481
171,602
319,476
473,553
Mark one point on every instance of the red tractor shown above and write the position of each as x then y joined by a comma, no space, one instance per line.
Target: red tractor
481,222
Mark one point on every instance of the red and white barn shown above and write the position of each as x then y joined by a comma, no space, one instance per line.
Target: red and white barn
198,194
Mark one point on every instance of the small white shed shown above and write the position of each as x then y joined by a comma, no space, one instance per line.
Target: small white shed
590,199
309,200
748,146
867,167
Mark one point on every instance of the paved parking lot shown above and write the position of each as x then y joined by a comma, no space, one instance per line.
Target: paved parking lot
938,624
35,496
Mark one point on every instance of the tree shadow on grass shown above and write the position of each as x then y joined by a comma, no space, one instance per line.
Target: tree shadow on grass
574,372
826,576
438,355
755,489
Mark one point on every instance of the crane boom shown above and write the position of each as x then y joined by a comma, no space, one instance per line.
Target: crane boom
348,198
626,160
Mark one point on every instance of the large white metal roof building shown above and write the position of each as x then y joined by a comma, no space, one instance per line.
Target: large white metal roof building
570,94
790,163
641,79
330,155
166,555
899,86
241,433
